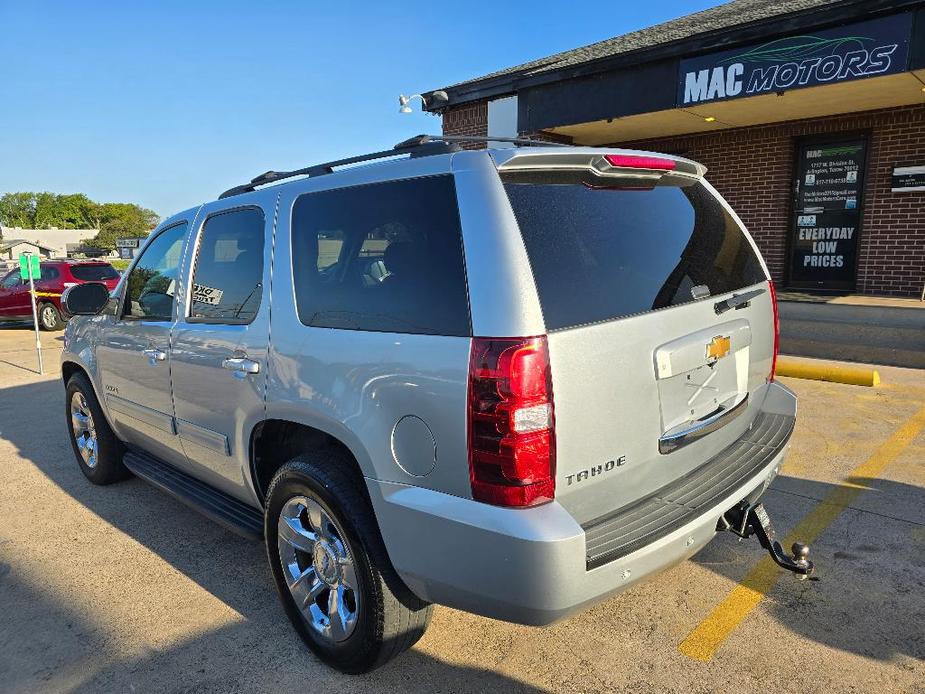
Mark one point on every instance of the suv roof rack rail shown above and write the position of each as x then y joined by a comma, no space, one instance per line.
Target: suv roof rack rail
419,140
417,146
415,150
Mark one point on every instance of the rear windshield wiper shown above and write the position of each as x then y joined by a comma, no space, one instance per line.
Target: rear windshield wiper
736,301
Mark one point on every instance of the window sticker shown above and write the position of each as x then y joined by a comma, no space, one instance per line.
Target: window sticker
207,295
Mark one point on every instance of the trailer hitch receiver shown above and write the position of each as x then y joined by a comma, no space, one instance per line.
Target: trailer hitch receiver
749,519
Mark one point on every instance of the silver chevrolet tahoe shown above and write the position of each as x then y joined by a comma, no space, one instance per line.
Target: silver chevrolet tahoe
512,380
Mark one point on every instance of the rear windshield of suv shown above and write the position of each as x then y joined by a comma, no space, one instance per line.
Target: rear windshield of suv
94,273
600,254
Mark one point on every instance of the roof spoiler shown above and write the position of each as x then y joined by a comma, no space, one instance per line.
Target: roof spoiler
598,169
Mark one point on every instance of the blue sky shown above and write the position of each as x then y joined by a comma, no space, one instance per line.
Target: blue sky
168,103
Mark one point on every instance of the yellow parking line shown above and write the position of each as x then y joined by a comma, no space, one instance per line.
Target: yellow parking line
709,635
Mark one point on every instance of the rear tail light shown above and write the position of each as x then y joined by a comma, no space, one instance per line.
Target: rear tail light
776,331
512,440
635,161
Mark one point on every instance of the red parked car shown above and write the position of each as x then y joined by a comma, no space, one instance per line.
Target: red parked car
56,276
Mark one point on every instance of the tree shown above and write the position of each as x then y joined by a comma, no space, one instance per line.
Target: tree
76,211
18,210
47,214
121,220
73,211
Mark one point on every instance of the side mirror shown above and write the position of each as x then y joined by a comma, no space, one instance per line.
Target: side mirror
85,299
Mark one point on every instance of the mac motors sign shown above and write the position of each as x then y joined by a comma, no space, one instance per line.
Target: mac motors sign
866,49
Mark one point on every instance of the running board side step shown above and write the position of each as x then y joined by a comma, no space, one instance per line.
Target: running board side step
225,510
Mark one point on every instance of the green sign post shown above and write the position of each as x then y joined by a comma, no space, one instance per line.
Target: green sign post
29,269
29,266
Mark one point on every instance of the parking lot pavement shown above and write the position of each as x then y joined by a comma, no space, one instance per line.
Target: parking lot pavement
124,589
17,349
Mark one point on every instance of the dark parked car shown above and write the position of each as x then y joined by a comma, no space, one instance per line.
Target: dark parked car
56,276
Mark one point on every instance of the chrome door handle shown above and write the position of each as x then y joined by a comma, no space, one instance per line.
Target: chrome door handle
240,365
154,355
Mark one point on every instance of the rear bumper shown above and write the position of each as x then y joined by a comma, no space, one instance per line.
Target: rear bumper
534,566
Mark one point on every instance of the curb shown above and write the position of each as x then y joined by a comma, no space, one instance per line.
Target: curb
824,371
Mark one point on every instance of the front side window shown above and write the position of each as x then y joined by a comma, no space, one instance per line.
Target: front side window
152,284
228,279
384,257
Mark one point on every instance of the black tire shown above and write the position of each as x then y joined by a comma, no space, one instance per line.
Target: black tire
390,618
108,467
50,318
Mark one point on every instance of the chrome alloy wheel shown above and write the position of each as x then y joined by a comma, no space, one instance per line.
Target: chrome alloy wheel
49,316
83,429
318,568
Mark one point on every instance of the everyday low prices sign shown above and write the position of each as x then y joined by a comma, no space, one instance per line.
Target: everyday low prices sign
866,49
823,250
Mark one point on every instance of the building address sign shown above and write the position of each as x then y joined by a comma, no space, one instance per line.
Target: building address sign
908,179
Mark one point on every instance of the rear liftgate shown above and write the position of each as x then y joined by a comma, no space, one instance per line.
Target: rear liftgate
749,519
643,171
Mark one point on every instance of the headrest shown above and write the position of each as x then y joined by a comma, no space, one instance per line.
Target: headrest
402,258
249,243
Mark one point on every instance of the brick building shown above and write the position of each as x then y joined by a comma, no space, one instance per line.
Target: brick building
809,114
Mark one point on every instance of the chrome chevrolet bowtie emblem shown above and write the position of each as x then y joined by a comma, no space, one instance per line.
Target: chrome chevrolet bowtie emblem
718,347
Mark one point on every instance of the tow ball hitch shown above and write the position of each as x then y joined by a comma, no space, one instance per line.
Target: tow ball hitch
749,519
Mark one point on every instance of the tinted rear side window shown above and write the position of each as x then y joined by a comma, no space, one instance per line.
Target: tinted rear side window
383,257
602,254
94,273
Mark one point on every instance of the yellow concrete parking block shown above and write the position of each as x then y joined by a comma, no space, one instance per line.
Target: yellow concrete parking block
825,371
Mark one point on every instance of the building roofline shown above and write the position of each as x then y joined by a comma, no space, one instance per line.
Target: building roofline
6,244
821,16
